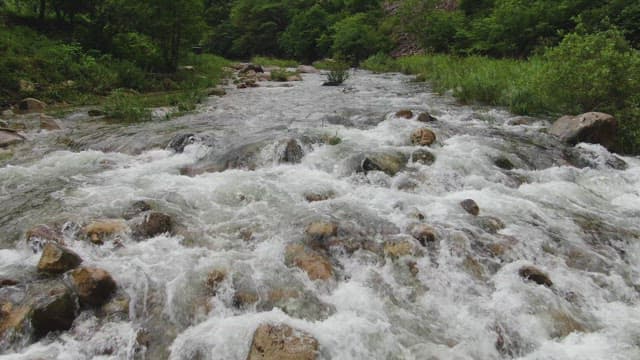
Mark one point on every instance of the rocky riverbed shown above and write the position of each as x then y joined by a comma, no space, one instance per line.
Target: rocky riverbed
373,220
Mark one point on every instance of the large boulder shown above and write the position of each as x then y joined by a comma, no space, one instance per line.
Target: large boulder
316,265
55,311
470,206
293,152
9,137
48,123
389,163
32,105
591,127
57,259
93,286
282,342
180,141
307,69
98,231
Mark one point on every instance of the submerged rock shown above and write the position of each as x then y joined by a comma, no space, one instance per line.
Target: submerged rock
180,141
9,137
313,197
99,231
321,231
504,163
591,127
426,117
490,224
389,163
400,248
470,206
536,275
38,236
423,157
316,265
57,259
93,286
407,114
135,209
48,123
293,152
152,224
423,137
282,342
423,233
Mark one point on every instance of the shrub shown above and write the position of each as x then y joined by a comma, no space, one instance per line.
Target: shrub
354,39
282,75
125,106
338,73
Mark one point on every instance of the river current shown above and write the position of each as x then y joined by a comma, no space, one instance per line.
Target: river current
458,297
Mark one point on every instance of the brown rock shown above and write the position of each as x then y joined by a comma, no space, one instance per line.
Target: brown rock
9,137
307,69
316,265
32,105
57,259
53,312
321,230
117,307
295,77
98,231
282,342
490,224
153,224
7,282
49,123
591,127
396,249
93,286
423,137
41,234
470,206
407,114
536,275
423,157
313,197
426,117
213,281
423,233
135,209
13,317
293,152
389,163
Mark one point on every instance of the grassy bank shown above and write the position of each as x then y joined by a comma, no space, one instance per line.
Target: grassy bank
56,72
597,72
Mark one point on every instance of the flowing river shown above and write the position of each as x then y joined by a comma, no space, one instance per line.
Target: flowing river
572,213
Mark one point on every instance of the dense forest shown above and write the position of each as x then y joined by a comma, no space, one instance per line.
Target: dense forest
103,45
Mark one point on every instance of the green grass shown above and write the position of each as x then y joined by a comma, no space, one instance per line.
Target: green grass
282,75
267,61
529,87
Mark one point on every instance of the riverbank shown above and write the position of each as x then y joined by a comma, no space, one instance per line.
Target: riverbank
584,73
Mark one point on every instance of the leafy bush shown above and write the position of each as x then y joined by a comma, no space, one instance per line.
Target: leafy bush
355,39
268,61
338,73
125,106
282,75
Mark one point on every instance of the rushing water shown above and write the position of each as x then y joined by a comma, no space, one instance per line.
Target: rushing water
466,301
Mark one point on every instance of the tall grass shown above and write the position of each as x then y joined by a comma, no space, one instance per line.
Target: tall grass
268,61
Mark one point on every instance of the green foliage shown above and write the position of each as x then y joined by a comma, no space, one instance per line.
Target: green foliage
355,39
125,106
338,73
302,38
282,75
268,61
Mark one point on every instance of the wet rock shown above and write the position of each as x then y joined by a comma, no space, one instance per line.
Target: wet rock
563,323
470,206
137,208
93,286
307,69
96,113
48,123
179,142
57,259
7,282
38,236
423,233
32,105
9,137
591,127
536,275
295,77
152,224
407,114
282,342
293,152
14,319
6,114
423,137
213,281
98,231
251,67
216,92
317,232
490,224
117,307
423,157
389,163
313,197
55,311
316,265
503,163
243,299
426,117
473,267
397,249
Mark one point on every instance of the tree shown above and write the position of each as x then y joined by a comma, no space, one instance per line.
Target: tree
355,39
301,39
